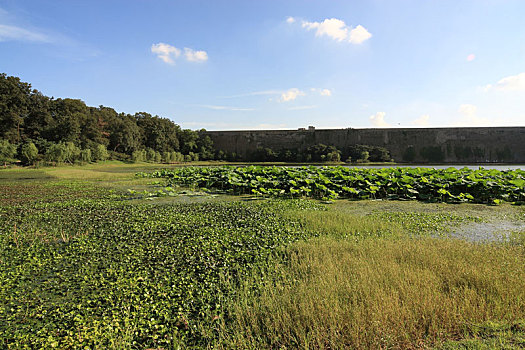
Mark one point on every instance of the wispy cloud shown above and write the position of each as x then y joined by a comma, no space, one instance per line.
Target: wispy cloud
227,108
510,83
421,121
300,108
284,95
291,95
337,29
14,33
233,126
256,93
469,117
290,20
169,53
467,110
322,92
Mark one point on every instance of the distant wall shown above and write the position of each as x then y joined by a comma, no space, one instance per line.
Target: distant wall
417,145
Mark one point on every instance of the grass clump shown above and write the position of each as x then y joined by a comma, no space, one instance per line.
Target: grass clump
393,293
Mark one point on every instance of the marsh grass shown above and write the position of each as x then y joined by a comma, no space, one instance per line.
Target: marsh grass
338,223
391,293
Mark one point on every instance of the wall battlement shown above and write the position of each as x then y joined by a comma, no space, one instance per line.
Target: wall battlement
417,145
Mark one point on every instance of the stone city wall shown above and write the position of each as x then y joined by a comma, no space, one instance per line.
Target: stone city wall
413,145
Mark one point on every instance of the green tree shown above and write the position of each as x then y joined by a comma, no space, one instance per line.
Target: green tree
85,155
100,152
166,156
7,152
72,152
333,156
14,96
28,153
204,146
158,157
188,141
124,134
138,156
56,153
150,155
160,134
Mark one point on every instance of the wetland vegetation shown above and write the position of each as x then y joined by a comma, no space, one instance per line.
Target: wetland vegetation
209,263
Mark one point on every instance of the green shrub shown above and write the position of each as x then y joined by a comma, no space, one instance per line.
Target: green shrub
28,153
7,152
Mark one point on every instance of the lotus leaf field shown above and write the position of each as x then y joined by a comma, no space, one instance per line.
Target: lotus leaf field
425,184
100,272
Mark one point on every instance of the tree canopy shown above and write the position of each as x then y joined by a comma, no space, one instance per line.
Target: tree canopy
29,117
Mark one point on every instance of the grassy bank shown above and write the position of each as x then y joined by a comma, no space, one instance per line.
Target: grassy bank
391,293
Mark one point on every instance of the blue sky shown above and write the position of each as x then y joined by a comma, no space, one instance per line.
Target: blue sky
268,64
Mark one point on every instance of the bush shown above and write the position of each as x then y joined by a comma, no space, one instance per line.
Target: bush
85,155
158,157
138,156
28,153
72,152
7,152
150,155
56,153
100,153
166,157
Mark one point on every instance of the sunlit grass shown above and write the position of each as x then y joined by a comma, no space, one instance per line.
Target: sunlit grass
402,293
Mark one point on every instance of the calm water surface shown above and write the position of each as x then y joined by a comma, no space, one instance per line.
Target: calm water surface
457,166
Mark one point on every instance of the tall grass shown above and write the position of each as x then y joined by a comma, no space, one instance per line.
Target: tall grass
394,293
338,223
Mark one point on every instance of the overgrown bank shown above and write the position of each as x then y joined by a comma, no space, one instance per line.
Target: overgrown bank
83,266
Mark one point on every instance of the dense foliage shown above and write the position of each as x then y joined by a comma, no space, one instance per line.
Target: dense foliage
85,269
45,127
317,153
481,186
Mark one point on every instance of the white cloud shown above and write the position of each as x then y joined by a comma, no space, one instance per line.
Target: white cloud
467,110
359,35
302,108
17,33
421,121
195,56
325,92
291,95
510,83
378,120
471,57
290,20
169,53
338,30
166,52
469,117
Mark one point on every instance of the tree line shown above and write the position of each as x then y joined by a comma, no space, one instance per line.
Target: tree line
35,127
323,153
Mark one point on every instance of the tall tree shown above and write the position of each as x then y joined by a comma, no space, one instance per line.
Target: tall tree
14,96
